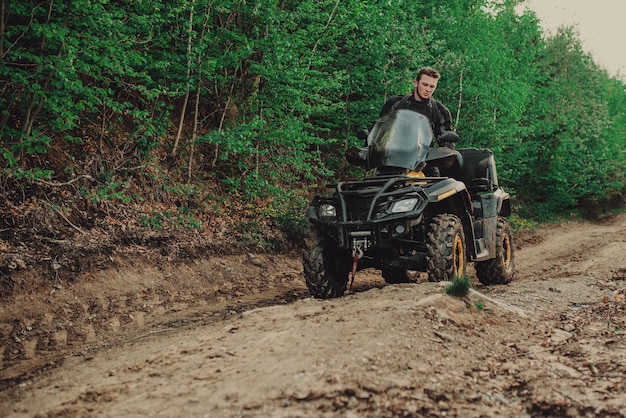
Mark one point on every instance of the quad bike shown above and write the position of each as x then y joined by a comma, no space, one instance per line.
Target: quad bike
421,208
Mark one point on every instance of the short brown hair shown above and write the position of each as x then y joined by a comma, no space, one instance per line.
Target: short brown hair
428,71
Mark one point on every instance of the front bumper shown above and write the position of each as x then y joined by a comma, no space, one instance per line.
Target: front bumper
380,213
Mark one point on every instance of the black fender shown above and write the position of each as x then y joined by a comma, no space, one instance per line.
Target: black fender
496,204
493,205
445,189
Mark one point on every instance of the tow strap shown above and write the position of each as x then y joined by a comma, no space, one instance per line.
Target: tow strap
355,262
357,253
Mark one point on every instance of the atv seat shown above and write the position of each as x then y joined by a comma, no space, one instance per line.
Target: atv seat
478,171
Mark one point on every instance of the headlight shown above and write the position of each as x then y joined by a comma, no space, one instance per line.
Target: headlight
405,205
327,211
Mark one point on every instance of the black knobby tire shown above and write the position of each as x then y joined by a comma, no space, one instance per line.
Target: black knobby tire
326,268
498,270
393,275
445,242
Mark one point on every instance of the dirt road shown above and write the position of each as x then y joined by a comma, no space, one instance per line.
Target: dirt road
239,337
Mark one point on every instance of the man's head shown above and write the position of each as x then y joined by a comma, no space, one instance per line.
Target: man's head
425,83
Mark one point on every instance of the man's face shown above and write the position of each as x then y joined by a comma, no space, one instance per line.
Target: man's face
425,87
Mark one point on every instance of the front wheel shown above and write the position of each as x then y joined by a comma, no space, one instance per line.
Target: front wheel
445,242
498,270
326,267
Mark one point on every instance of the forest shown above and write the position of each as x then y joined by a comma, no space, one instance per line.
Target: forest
221,118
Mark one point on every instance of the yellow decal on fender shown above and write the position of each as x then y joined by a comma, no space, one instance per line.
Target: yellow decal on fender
446,195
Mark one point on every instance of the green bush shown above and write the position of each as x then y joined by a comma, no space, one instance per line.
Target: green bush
459,287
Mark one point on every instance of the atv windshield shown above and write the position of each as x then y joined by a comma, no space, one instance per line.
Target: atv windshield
400,139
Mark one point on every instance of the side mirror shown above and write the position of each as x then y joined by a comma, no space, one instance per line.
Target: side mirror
357,156
448,139
449,136
362,135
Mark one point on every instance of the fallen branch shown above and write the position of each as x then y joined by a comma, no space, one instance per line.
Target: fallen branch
68,221
67,183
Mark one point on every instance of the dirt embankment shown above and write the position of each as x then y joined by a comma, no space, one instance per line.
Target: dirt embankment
239,337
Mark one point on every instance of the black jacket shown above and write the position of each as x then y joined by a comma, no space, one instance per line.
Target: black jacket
438,114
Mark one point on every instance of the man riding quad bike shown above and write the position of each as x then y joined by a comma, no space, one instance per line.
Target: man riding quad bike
420,208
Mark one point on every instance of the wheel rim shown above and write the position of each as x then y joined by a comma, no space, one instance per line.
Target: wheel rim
459,255
506,251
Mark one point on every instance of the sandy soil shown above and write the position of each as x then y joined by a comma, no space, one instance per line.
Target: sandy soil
239,337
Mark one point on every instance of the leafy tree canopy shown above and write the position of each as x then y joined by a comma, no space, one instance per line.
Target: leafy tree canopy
259,99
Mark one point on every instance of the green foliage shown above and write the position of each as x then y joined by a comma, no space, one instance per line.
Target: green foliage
110,191
574,145
237,140
288,212
519,224
153,222
9,160
159,221
35,144
459,287
254,236
260,99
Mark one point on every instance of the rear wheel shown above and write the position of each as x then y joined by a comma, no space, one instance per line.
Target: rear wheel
498,270
445,242
326,267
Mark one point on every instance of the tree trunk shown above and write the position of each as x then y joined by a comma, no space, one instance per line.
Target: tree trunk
181,123
458,109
